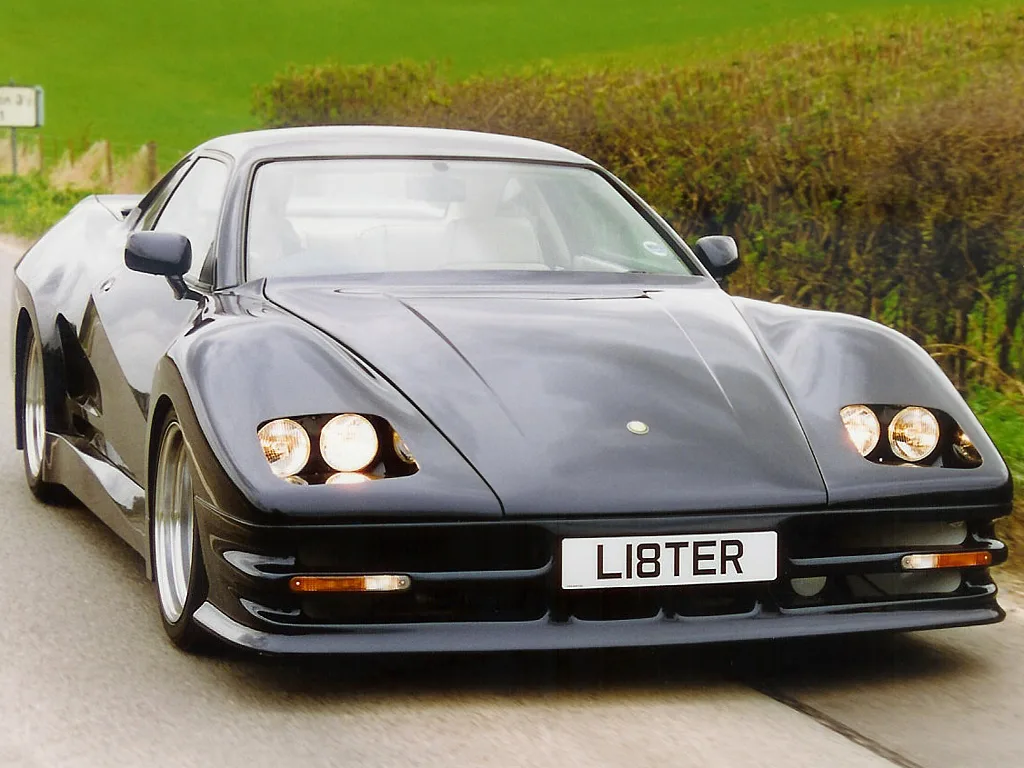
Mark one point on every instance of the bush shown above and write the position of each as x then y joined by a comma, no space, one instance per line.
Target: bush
29,206
865,174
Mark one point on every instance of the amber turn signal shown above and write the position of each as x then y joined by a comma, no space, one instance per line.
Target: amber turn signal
946,560
372,583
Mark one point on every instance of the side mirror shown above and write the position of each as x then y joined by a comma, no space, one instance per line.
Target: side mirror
158,253
719,254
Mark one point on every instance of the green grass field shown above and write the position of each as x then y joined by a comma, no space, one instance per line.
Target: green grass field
179,72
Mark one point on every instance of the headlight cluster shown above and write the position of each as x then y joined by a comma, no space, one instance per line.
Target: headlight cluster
350,449
915,434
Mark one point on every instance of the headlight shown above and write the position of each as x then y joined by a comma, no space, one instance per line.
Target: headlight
913,433
965,450
347,478
862,427
286,446
349,443
401,449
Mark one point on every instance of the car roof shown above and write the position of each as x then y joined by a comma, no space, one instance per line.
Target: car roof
385,141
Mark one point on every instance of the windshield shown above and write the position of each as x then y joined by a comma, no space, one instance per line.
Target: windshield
316,217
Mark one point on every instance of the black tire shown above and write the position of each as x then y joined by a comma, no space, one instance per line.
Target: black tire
32,420
176,609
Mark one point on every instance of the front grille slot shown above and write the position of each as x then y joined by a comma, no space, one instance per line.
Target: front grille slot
614,604
483,601
708,602
410,549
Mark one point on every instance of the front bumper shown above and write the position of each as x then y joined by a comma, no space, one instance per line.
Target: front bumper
494,586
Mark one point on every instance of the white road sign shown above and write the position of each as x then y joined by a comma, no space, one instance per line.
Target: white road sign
21,107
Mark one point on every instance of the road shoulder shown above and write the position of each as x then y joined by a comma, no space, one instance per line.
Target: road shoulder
17,244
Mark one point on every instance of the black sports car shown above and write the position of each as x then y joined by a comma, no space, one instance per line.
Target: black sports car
385,389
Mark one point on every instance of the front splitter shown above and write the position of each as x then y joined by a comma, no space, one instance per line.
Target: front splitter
547,635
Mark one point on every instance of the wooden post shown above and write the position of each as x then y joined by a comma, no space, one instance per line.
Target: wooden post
151,170
108,163
14,145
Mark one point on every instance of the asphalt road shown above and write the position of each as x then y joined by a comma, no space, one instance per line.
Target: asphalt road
88,679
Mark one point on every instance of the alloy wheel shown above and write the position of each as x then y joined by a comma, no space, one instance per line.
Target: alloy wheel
173,523
34,409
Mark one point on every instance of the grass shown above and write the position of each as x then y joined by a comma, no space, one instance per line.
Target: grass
132,72
1003,418
29,206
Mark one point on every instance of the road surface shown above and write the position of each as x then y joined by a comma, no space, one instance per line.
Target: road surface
88,679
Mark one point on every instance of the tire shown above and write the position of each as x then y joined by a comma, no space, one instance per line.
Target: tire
32,397
178,571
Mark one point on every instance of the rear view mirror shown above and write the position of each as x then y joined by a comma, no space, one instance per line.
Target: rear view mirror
437,188
158,253
719,254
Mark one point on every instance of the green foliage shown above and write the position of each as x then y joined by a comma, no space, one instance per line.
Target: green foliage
863,174
29,206
1002,415
178,73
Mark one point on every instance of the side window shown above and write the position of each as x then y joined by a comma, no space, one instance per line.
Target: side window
194,209
155,198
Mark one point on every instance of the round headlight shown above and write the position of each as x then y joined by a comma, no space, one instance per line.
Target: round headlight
348,442
286,446
862,427
914,433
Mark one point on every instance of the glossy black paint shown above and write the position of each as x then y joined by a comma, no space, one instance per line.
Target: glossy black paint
511,389
158,253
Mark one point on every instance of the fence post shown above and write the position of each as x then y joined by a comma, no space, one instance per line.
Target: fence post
151,170
108,163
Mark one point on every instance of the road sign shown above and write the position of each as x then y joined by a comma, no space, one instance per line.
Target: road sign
21,107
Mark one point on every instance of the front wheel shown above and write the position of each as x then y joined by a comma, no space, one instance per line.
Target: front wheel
178,569
33,418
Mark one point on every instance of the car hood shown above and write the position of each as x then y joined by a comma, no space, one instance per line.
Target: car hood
534,381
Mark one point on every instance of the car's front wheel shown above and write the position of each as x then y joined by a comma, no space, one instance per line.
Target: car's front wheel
33,418
177,557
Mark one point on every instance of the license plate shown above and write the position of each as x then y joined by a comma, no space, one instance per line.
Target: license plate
659,561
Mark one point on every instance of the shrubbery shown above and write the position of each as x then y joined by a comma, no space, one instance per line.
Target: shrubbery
29,205
880,174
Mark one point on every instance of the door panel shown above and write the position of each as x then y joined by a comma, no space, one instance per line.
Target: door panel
135,317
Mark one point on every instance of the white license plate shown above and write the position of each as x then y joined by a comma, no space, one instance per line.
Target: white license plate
658,561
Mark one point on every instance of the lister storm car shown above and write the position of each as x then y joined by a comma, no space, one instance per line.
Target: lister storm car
385,389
